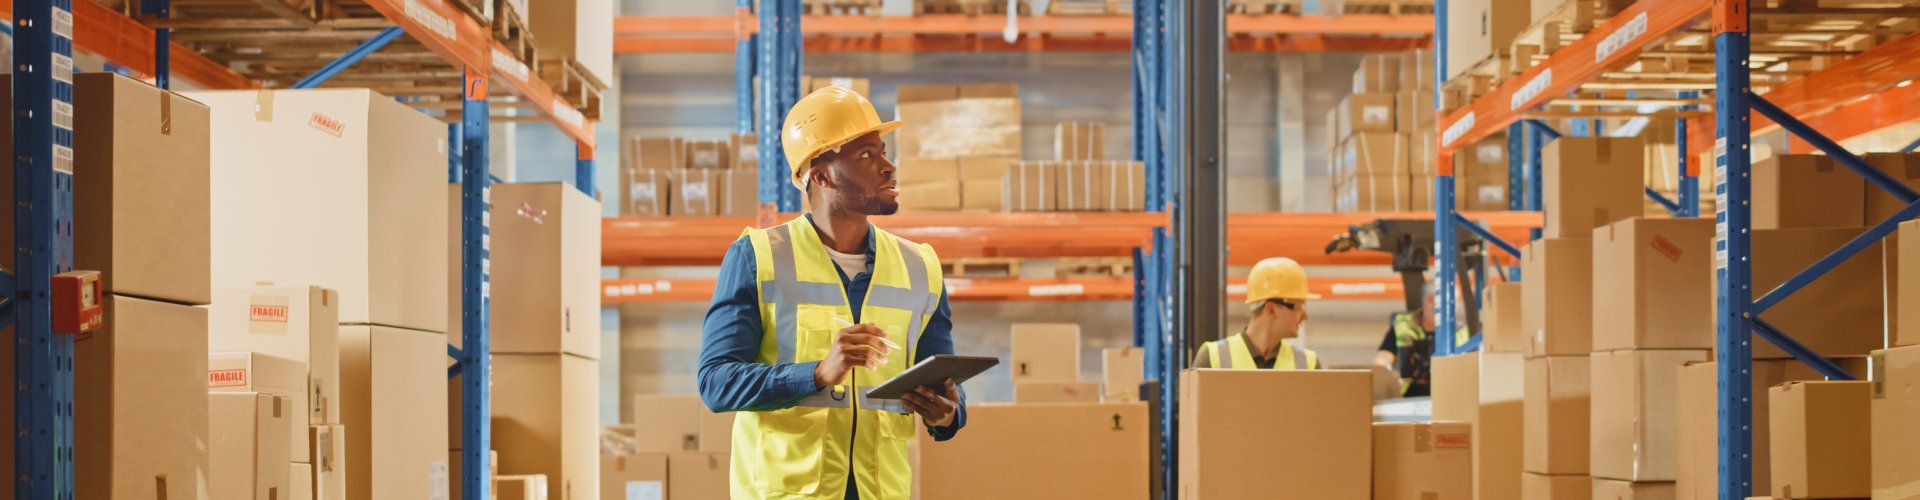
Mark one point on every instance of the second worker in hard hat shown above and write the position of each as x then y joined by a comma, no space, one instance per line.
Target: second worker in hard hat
1277,296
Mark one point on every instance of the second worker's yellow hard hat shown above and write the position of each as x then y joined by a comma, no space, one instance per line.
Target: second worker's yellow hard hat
1277,278
825,120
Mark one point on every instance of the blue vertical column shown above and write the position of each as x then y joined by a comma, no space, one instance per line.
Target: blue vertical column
743,45
43,230
584,178
790,45
475,361
1689,184
779,54
1733,247
1517,145
162,41
1447,255
1537,134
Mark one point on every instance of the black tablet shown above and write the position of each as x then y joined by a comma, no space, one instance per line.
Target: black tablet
933,371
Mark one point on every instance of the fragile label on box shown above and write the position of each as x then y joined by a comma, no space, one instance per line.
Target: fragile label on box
267,314
227,378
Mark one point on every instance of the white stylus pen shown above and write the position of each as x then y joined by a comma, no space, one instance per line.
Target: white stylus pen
883,340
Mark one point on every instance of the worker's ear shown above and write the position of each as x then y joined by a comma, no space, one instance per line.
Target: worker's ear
818,174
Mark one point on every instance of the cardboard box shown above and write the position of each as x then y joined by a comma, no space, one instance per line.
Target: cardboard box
1896,443
339,188
740,193
702,153
658,153
1904,246
1557,296
1699,458
1380,193
545,420
260,373
1376,153
1377,73
1557,413
1056,392
1079,185
329,444
1121,371
1045,352
949,121
1635,424
521,487
1217,455
716,431
1030,187
1367,113
1486,158
1657,280
1822,438
148,356
1500,319
1424,460
249,439
927,184
393,391
1588,182
1904,168
1482,193
667,422
1421,199
744,149
696,192
578,31
1480,29
546,271
1416,69
860,86
453,465
633,477
1485,390
645,192
1801,191
1555,487
1612,489
982,182
697,475
299,323
1839,314
1126,190
300,481
1414,111
1080,141
141,219
1020,446
1423,152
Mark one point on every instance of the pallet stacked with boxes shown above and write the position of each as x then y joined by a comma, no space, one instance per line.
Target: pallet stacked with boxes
955,135
344,190
1078,179
691,177
1383,155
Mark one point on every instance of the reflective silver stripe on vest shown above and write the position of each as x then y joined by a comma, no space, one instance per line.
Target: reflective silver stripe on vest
1223,353
891,405
826,398
787,290
1300,359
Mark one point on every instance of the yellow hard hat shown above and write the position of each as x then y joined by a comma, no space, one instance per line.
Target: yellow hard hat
825,120
1277,278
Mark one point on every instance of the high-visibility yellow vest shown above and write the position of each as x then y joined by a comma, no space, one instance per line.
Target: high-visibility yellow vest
1406,332
1239,355
806,452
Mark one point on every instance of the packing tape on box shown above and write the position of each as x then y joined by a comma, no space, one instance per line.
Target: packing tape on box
1422,438
166,113
263,105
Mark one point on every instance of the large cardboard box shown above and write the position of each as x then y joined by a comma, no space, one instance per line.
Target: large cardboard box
1377,153
1481,28
1121,371
1904,247
696,192
1798,191
329,444
1500,319
1555,487
1896,442
708,153
575,30
1028,187
740,193
1822,438
744,149
1414,111
1377,73
633,477
1557,296
1068,450
520,487
1588,182
140,218
300,481
250,436
697,475
1416,69
1046,352
299,323
643,192
1423,460
949,121
1379,193
1126,190
546,272
1613,489
1698,477
1422,151
340,188
1056,392
1080,141
1557,415
927,184
140,402
1904,168
1485,389
658,153
1081,185
667,422
1654,285
265,374
1635,427
1839,314
982,180
1217,455
394,401
545,420
1482,193
716,431
1367,113
1485,158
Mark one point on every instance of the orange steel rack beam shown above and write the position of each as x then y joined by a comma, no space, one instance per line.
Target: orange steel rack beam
1855,97
960,289
951,33
124,41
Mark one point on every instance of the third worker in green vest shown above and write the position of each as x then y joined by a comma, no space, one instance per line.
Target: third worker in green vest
1277,294
1408,346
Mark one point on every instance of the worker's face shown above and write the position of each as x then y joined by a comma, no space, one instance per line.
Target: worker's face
1287,320
859,178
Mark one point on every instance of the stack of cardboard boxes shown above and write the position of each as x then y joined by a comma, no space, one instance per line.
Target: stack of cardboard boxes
345,189
682,451
284,342
687,177
957,143
1383,152
1484,390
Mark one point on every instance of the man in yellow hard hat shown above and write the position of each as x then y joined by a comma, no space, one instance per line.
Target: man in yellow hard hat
1277,293
809,315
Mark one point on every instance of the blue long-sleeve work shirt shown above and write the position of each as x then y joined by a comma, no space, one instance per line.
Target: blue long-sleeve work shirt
730,339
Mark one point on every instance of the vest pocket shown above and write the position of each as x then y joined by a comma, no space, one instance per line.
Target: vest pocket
894,471
791,442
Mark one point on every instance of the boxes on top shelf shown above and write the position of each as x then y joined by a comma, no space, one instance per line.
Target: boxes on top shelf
578,31
1822,438
1413,110
705,192
709,153
1479,29
1371,112
1377,73
744,149
139,402
1652,280
657,153
1802,191
1217,455
1588,182
947,121
299,323
1698,477
1416,70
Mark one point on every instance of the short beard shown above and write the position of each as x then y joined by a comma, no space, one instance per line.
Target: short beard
861,201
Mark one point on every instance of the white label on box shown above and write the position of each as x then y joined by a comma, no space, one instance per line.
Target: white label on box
1490,153
1376,114
1493,194
63,69
1457,129
436,474
1532,89
433,22
642,191
63,114
1619,38
644,490
63,22
63,159
267,314
1359,288
694,191
440,146
1054,290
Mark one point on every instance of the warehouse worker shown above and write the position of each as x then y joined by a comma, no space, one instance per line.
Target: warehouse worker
1277,292
784,344
1407,347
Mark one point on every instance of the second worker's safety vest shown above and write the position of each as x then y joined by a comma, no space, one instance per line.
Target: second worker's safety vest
1237,355
807,451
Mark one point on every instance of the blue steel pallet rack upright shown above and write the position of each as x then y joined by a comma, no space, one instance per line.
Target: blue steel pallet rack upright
43,224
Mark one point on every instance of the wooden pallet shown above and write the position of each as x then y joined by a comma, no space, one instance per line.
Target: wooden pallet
1083,7
1257,7
841,7
981,267
1387,7
510,29
477,9
1070,267
572,82
967,7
